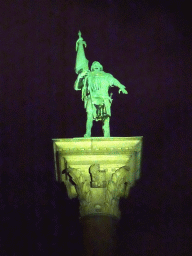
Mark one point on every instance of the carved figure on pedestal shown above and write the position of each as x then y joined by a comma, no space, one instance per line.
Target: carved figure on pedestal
98,177
95,84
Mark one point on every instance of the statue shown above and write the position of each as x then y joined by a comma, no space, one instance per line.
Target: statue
94,84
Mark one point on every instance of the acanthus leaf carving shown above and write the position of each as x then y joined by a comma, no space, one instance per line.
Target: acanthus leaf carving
96,194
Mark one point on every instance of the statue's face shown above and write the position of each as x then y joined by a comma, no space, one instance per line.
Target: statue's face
96,66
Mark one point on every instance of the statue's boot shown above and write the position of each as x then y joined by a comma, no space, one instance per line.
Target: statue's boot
87,135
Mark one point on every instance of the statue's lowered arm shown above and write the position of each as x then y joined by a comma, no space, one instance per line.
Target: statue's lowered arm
121,87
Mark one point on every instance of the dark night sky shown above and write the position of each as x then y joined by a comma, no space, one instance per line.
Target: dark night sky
146,45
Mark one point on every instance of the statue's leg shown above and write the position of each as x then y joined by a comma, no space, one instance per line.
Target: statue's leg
106,129
89,124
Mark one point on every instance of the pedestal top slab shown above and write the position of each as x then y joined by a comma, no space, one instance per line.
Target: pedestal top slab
110,153
97,144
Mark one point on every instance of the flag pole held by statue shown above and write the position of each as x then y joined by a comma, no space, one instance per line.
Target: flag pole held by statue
81,64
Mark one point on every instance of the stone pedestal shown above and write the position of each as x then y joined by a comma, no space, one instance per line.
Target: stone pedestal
98,171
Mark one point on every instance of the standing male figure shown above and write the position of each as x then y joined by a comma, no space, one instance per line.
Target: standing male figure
95,84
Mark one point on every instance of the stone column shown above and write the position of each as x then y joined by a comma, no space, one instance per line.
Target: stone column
99,171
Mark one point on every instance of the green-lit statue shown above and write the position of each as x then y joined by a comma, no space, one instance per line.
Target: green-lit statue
94,84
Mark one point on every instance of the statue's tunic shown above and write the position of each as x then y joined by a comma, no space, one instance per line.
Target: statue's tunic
95,93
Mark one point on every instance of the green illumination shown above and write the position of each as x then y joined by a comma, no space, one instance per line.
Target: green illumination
94,84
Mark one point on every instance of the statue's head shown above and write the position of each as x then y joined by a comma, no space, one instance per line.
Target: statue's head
96,66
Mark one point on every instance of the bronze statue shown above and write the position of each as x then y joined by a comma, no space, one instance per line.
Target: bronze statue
94,84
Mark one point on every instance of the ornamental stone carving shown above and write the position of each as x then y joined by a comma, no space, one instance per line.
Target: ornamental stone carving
98,171
97,193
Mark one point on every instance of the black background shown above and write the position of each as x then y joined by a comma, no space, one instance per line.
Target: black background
146,45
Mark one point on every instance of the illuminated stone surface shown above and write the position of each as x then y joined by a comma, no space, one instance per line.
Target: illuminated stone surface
94,84
98,171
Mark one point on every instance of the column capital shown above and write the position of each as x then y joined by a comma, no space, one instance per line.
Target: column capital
99,171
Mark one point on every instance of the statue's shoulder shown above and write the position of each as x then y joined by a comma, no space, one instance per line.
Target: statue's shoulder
108,75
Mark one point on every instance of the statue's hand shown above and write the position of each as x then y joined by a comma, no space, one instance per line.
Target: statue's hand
123,90
82,74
